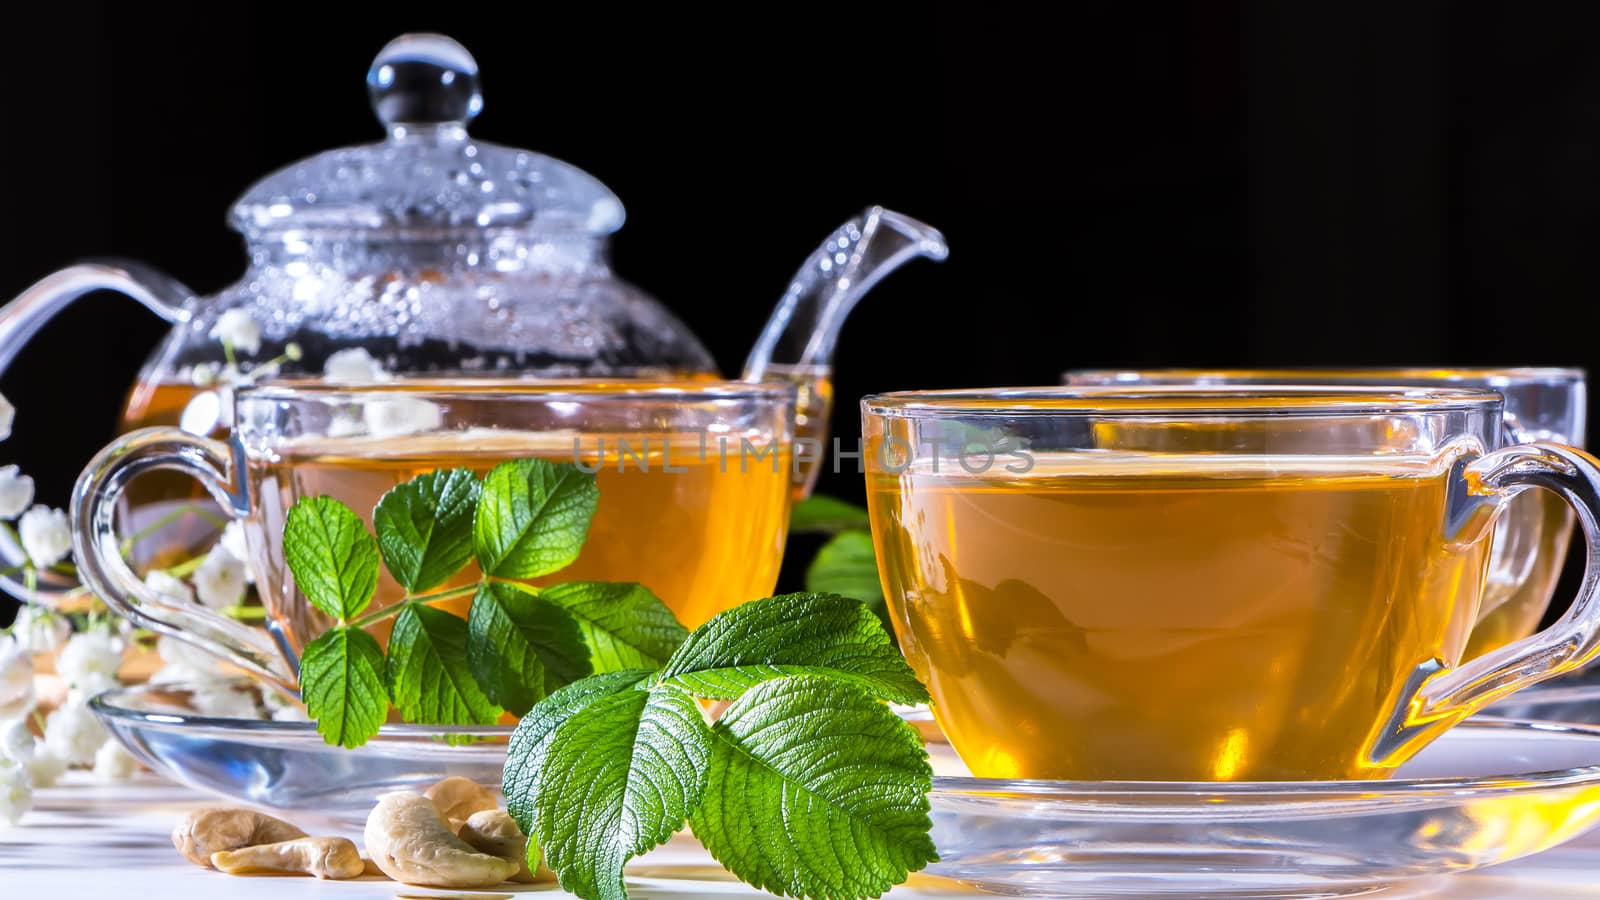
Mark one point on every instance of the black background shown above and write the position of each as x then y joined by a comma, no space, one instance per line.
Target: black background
1121,184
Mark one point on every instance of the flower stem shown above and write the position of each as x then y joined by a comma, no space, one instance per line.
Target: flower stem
187,509
245,613
188,566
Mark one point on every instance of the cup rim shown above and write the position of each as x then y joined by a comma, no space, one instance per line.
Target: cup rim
1182,401
512,389
1494,375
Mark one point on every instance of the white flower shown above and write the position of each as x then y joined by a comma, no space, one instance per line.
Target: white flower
186,657
201,414
221,578
92,686
354,364
16,679
44,768
224,700
239,330
290,714
179,673
16,792
169,587
7,414
345,423
233,541
16,492
73,734
112,763
16,741
401,416
41,630
45,535
203,374
89,662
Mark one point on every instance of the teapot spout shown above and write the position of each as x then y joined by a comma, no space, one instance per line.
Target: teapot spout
803,329
796,346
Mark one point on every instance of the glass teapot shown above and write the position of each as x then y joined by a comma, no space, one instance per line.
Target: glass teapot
435,252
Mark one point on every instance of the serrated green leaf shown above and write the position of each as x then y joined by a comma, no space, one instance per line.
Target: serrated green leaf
795,634
425,527
625,626
532,517
520,645
332,557
341,681
826,515
526,752
621,777
429,680
816,790
847,565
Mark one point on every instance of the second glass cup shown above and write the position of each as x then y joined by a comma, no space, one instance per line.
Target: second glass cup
694,481
1541,404
1200,584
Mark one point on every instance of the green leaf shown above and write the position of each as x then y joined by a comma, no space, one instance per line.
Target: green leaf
520,645
847,565
795,634
625,626
428,675
816,789
341,680
826,515
425,527
526,752
333,558
532,517
621,776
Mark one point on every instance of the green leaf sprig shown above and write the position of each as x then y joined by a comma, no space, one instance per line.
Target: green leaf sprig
527,519
806,785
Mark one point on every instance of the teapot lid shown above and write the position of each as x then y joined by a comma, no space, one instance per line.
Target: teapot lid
429,175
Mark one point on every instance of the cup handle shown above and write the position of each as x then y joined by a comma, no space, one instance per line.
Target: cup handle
1437,697
99,555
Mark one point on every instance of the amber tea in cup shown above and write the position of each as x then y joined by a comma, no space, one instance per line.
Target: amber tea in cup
1199,584
694,480
1541,404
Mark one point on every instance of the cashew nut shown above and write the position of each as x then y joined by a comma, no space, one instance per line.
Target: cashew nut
210,829
409,840
324,857
458,798
494,832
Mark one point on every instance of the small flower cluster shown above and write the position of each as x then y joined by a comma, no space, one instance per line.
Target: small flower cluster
88,661
42,531
72,736
239,333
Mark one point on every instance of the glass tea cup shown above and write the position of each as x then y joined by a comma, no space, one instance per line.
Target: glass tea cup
1531,540
1205,584
693,479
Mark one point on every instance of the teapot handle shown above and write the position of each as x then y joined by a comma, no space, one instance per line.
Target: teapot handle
21,318
24,316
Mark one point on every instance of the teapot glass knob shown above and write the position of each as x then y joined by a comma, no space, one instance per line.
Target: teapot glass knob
422,81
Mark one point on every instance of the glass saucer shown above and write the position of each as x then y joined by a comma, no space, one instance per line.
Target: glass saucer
286,766
1487,792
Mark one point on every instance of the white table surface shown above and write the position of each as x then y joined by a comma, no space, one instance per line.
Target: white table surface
111,842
